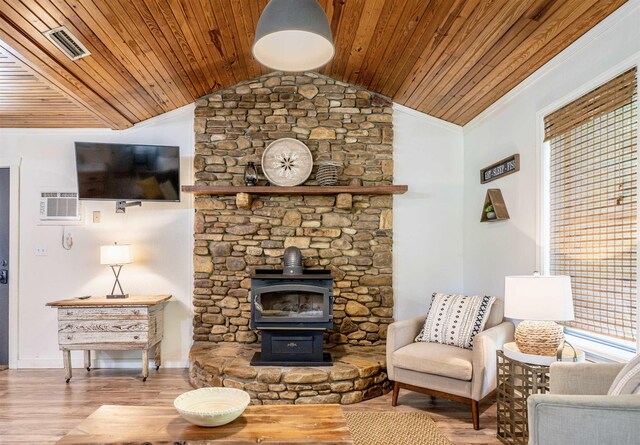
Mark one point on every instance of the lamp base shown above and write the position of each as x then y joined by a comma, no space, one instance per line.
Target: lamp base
539,337
118,296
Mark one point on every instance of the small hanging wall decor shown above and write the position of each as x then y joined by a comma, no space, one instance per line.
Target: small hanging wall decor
499,169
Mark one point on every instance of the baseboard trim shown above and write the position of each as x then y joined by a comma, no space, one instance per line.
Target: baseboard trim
44,363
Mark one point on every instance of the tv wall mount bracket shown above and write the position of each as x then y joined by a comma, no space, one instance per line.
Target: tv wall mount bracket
121,206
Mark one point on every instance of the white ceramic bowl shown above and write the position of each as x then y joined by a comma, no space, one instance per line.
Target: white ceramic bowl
212,406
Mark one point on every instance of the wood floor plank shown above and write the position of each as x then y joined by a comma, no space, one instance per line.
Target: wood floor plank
36,406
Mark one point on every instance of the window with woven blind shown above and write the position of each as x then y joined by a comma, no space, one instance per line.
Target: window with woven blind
593,205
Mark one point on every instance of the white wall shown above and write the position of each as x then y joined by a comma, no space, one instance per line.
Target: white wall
428,220
160,233
493,250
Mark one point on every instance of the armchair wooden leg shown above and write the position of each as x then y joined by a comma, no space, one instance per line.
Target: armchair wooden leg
475,414
396,391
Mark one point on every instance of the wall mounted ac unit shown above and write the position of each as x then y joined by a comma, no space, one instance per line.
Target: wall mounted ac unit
59,208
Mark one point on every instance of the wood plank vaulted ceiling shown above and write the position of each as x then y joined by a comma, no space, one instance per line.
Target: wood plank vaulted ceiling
27,101
447,58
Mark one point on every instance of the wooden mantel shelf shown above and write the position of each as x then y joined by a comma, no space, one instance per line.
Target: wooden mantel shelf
300,190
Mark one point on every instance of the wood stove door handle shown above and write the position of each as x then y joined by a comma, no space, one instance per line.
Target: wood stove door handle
256,302
289,287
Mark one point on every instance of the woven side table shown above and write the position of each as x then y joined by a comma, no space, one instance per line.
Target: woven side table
516,382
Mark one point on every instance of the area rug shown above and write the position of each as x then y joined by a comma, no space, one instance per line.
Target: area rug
375,428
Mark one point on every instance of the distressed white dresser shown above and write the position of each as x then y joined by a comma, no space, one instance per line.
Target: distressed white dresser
99,323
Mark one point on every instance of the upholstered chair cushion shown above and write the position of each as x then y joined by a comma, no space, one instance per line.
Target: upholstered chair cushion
435,358
455,319
628,380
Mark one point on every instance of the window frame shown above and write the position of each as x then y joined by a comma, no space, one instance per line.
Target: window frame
596,346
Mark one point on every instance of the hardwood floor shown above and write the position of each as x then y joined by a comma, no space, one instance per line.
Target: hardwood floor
36,406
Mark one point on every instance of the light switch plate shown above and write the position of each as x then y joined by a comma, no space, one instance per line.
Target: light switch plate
97,216
41,250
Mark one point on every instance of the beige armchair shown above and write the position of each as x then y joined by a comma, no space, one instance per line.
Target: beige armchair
444,371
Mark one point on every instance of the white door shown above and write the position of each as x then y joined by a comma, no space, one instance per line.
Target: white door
4,266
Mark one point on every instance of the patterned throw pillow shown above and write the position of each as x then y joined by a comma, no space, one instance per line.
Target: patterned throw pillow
455,319
628,380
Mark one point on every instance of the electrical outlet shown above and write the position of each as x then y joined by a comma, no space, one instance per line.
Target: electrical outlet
97,217
41,250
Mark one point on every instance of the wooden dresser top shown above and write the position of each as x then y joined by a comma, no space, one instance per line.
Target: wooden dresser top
133,300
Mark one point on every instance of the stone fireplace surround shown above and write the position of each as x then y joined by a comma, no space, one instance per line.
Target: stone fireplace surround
349,234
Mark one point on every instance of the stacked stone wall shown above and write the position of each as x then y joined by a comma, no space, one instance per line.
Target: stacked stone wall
349,234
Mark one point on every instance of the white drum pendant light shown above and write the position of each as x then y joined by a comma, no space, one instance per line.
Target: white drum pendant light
294,36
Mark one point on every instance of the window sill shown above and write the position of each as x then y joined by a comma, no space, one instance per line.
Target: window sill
599,353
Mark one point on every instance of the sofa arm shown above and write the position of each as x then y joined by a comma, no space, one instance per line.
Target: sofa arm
578,420
399,334
485,345
582,378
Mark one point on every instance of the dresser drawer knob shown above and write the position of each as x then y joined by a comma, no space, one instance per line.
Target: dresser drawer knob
136,337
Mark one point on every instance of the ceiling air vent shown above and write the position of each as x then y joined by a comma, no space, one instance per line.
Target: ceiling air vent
67,42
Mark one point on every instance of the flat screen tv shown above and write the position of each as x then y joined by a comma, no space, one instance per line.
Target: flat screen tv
128,172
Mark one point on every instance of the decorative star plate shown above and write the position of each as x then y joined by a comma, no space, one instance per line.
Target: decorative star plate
287,162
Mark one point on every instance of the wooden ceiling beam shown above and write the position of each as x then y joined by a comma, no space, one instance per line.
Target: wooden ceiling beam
32,55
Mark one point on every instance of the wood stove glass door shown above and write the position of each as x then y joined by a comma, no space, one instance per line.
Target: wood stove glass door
291,303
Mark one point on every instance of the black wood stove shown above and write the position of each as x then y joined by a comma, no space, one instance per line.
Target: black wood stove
292,307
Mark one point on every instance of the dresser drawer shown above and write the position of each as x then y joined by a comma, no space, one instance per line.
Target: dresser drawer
78,326
115,313
102,338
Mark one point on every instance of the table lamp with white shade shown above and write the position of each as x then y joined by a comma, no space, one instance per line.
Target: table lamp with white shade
115,255
539,301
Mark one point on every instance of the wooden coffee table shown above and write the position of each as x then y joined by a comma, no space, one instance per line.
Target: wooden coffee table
269,424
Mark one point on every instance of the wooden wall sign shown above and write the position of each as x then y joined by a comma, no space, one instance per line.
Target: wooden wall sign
499,169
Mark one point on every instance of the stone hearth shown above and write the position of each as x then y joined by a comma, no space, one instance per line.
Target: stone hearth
358,373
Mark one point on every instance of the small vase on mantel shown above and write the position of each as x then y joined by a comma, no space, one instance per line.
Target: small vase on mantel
250,175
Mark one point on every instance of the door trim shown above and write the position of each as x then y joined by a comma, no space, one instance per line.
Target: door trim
14,256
